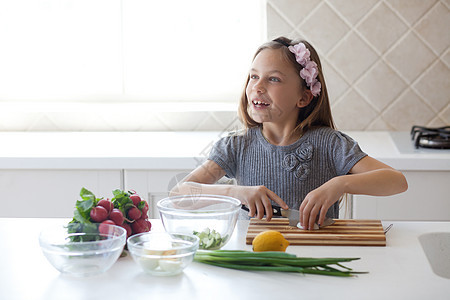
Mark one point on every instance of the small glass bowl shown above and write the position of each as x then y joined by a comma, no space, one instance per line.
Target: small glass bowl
211,217
161,253
80,253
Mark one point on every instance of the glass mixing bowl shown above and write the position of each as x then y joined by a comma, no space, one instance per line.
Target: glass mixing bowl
161,253
210,217
82,253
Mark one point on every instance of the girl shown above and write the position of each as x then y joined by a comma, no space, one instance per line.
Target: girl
290,152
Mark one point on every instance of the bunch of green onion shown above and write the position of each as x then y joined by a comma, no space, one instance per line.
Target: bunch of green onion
274,261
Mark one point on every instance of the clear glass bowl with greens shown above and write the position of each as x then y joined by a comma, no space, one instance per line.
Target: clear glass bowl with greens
210,217
162,253
82,252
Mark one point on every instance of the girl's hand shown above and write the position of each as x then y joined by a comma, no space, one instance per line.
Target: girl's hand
257,199
318,201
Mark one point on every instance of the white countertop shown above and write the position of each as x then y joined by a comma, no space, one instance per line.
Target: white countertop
398,271
104,150
173,150
397,150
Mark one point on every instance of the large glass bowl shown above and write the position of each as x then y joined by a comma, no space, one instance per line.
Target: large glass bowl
161,253
212,218
82,253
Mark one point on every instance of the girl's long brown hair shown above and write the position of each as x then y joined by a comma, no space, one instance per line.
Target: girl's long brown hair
318,111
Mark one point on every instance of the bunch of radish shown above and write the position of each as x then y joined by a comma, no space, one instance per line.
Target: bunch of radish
125,209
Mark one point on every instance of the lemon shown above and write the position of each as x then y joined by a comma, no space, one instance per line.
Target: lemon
270,240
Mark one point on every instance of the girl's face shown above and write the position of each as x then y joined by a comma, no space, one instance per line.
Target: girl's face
274,90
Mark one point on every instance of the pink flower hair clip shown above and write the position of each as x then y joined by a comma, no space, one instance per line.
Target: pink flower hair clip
310,71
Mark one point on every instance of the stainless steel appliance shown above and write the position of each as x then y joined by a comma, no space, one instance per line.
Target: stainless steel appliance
427,137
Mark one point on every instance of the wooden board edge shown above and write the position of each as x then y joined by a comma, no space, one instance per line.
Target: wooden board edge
333,243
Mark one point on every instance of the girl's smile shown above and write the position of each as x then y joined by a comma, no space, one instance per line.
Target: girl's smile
260,104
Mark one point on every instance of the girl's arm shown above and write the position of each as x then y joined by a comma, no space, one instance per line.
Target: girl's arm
367,177
202,181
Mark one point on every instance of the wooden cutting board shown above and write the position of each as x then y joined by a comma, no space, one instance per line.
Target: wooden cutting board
342,233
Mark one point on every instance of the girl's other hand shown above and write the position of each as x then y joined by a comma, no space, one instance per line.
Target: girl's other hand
257,199
318,201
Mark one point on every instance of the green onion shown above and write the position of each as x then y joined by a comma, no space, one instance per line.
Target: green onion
274,261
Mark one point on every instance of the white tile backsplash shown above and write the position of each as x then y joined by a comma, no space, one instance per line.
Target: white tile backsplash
352,10
351,105
411,10
382,27
325,34
410,57
352,57
381,85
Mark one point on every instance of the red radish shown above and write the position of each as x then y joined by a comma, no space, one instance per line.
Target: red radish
140,226
134,213
108,205
136,199
116,216
127,227
104,228
98,214
145,209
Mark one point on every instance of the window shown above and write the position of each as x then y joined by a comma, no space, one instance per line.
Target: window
127,50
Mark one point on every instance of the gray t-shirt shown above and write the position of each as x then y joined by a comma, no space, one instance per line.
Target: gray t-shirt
290,171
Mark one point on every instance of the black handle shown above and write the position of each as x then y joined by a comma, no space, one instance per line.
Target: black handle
276,210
